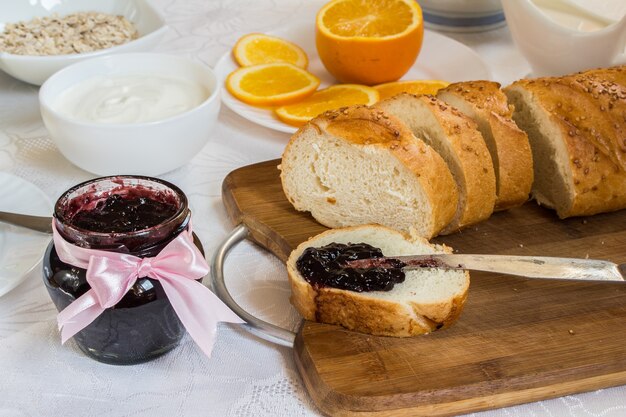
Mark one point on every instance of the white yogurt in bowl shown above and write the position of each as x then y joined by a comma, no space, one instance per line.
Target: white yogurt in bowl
138,114
134,98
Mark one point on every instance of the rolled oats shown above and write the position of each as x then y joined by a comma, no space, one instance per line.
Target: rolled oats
71,34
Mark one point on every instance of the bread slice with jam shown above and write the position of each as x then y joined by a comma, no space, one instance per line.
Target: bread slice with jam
427,300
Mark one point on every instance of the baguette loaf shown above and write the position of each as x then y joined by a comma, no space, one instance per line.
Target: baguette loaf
577,130
486,104
427,300
456,138
358,165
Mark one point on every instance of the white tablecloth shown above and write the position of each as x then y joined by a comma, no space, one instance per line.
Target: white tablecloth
245,376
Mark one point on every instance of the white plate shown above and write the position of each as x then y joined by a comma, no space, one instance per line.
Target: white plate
20,249
441,58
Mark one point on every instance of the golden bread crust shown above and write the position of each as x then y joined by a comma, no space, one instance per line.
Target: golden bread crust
510,151
589,109
515,161
484,96
371,316
469,149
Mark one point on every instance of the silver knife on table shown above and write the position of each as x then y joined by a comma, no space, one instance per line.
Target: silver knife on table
525,266
38,223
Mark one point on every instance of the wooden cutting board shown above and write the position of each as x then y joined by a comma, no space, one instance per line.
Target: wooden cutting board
518,340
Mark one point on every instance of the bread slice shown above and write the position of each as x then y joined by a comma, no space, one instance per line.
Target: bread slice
428,299
486,104
457,139
576,128
358,165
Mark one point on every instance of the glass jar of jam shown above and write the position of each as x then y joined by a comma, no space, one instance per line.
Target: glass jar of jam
126,214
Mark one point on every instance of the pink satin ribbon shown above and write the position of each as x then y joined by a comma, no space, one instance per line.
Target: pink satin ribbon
112,274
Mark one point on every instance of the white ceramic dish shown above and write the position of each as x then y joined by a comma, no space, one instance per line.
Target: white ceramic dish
554,49
36,69
148,148
21,249
440,58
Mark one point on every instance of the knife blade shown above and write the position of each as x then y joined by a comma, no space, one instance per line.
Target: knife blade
38,223
525,266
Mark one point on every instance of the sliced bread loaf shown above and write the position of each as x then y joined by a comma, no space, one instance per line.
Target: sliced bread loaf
457,139
427,300
576,128
486,104
358,165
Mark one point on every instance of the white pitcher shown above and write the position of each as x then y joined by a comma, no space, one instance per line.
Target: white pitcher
554,48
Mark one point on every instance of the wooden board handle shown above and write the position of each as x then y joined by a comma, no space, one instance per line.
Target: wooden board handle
254,325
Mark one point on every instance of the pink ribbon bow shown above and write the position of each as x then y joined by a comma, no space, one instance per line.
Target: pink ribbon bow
112,274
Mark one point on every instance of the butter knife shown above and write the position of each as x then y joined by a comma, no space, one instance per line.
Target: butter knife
38,223
525,266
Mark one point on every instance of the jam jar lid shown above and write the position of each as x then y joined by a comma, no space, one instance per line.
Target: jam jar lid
169,213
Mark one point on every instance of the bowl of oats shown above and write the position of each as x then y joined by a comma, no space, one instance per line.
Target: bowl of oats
39,38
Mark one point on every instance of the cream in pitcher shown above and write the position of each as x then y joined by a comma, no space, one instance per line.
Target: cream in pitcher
564,36
572,17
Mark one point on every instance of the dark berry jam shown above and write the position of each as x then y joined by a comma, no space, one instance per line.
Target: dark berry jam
127,214
120,214
325,267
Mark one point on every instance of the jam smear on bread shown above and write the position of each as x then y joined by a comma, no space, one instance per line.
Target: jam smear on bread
326,267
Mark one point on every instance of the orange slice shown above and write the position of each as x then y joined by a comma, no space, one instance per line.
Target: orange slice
369,42
330,98
271,84
257,48
411,86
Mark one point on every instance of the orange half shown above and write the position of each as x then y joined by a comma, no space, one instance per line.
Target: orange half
369,41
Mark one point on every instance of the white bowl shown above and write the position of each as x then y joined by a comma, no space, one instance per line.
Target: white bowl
145,148
36,69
